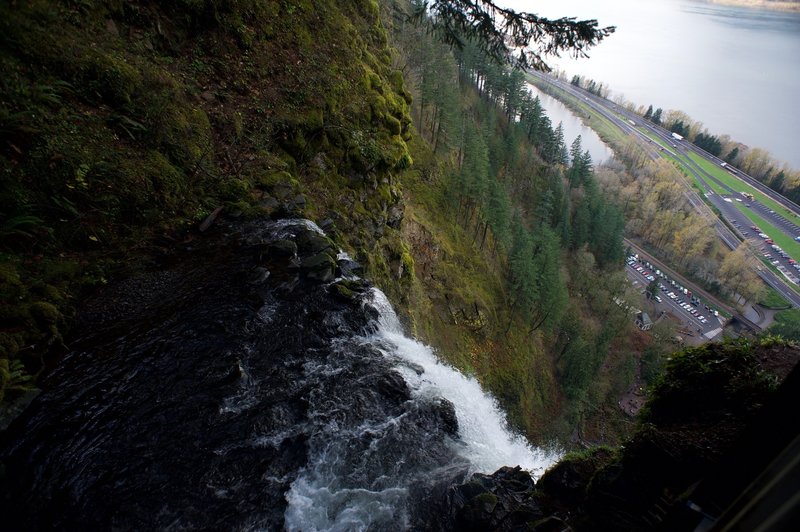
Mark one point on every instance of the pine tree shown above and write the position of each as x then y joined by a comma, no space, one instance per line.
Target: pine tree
523,39
657,116
561,153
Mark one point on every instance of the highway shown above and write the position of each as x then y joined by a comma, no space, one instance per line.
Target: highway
627,123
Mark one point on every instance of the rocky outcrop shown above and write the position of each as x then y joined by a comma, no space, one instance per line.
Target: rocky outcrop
502,501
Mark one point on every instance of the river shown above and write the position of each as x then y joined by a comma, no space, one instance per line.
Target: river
573,126
734,69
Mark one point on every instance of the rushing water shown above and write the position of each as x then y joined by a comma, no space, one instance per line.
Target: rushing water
573,126
231,391
737,70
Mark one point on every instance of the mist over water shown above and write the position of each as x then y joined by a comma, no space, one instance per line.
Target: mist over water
737,70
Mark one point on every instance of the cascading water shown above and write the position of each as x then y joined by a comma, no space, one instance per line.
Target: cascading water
243,389
380,497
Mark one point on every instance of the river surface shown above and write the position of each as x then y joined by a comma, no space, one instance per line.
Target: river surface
573,126
735,69
243,388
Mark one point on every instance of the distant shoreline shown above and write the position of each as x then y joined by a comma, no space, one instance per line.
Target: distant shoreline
761,4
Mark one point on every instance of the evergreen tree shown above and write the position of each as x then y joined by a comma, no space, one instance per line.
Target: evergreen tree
543,214
778,181
561,153
649,113
506,35
581,220
521,278
498,213
576,170
657,116
732,155
678,127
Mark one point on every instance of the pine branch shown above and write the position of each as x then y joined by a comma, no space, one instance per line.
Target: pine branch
517,38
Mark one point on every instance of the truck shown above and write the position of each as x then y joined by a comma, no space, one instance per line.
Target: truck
676,136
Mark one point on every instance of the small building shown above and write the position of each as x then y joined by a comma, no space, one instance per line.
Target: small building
643,321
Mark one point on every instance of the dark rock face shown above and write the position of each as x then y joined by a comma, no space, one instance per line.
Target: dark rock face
196,397
566,483
501,501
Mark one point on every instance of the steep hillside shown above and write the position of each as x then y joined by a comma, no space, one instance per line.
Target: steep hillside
126,124
127,128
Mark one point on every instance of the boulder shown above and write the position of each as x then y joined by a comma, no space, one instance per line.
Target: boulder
310,242
320,267
281,249
395,215
566,482
501,501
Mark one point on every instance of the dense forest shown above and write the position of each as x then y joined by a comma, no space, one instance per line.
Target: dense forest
135,135
119,148
527,201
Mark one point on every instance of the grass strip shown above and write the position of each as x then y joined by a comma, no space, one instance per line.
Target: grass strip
782,240
740,186
772,299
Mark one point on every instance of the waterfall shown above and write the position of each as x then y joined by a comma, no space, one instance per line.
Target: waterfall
318,500
234,391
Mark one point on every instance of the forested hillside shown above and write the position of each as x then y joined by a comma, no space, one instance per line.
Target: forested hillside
126,125
534,315
127,128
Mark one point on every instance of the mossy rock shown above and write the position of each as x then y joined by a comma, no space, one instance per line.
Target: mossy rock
393,124
377,107
311,243
396,78
569,479
320,267
281,249
11,285
185,132
342,292
44,313
9,344
479,508
108,75
349,289
272,179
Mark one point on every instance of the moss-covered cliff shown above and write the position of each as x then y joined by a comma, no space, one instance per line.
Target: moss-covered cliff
123,125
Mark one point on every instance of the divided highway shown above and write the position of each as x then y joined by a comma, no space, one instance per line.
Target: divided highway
627,123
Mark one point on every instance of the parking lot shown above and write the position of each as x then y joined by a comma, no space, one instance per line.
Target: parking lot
695,315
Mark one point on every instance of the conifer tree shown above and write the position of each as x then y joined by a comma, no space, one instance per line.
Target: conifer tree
519,38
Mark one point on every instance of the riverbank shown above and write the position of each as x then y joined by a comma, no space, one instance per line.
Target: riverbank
793,7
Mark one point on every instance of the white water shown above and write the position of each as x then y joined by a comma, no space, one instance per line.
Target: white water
319,500
489,443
